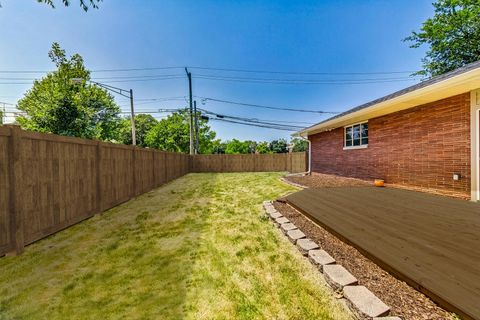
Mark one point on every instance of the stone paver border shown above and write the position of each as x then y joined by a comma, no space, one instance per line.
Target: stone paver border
361,301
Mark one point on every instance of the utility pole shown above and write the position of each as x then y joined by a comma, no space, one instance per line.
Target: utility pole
197,143
134,136
189,75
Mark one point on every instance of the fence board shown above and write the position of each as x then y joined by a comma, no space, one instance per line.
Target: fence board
4,193
292,162
58,185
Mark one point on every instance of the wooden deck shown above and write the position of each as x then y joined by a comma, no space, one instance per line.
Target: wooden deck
431,242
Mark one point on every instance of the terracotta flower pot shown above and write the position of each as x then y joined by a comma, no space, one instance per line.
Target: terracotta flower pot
379,183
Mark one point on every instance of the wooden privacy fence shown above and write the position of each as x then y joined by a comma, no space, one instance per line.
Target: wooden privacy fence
291,162
50,182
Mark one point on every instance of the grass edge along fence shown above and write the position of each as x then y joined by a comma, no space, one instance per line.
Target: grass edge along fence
50,182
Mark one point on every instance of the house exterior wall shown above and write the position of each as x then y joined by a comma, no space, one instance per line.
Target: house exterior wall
417,148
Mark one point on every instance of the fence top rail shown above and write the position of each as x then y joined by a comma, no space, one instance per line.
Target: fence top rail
56,138
5,130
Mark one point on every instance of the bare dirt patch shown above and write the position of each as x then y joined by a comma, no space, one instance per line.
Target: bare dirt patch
403,300
320,180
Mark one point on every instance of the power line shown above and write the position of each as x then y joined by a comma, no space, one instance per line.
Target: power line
302,72
205,99
300,82
222,69
253,125
252,120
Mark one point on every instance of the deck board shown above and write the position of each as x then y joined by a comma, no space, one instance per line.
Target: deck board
430,241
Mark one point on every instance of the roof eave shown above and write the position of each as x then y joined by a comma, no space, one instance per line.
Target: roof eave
458,84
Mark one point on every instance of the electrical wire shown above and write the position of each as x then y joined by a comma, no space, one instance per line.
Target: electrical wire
250,120
206,99
221,69
253,125
300,82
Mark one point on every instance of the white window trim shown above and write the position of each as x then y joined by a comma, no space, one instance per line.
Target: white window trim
362,146
475,144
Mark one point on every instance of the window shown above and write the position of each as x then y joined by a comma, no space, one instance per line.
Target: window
356,136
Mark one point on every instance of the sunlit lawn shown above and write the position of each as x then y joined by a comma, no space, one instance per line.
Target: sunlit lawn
197,248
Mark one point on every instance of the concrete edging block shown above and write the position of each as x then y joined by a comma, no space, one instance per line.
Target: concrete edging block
287,227
320,258
295,234
338,277
281,220
364,303
305,245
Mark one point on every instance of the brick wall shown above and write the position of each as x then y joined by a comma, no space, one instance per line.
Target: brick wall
418,148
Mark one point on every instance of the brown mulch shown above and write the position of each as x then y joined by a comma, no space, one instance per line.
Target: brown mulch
403,300
320,180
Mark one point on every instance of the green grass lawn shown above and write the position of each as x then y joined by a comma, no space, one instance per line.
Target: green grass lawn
199,247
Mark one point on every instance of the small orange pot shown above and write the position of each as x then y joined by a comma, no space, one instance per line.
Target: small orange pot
379,183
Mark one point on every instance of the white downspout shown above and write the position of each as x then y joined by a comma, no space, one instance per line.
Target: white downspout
309,155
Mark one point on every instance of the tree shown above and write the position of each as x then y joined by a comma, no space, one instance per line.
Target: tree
57,105
173,134
279,146
452,34
236,146
263,147
143,124
84,4
299,145
218,147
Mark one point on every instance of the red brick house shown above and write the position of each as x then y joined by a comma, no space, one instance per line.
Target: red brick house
422,137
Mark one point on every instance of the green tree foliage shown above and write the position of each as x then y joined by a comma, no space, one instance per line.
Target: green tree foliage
55,104
236,146
263,147
299,145
279,146
1,117
173,134
84,4
218,147
143,124
452,34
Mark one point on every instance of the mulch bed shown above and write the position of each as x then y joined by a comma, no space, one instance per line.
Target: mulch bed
320,180
403,300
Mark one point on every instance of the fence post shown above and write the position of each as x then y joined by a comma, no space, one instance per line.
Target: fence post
289,162
98,160
15,180
134,174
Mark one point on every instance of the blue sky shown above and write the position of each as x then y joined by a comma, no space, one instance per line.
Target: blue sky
304,36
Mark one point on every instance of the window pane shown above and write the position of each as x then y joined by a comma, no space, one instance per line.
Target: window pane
356,132
348,143
364,141
348,133
364,130
356,142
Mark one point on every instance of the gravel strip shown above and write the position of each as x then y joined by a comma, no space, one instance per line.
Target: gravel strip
403,300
